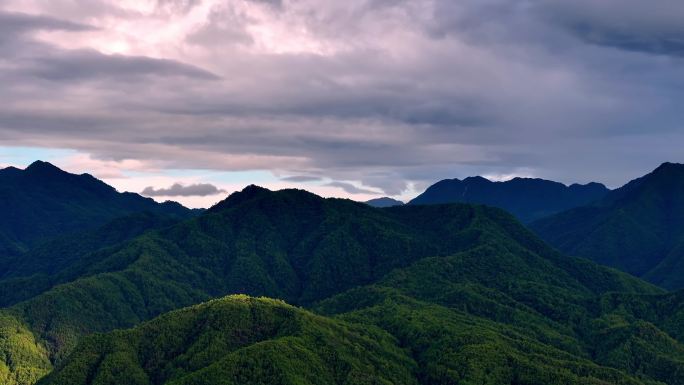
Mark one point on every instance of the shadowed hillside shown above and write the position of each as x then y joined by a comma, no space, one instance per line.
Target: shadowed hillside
43,202
638,228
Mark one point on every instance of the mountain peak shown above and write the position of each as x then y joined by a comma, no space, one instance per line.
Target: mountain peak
669,167
285,198
42,201
667,178
476,178
248,192
238,197
43,167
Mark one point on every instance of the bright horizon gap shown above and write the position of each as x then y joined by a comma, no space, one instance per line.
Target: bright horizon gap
131,179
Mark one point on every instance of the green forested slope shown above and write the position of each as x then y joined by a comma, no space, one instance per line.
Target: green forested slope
238,340
638,228
456,319
23,360
289,244
466,291
494,315
66,258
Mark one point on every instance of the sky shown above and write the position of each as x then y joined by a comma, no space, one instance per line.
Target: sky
192,99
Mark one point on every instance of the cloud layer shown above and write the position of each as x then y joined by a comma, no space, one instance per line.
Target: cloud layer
389,95
178,190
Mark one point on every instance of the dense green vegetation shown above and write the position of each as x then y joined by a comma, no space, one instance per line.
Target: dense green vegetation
23,360
528,199
521,322
638,228
238,340
65,258
291,245
457,320
43,201
421,294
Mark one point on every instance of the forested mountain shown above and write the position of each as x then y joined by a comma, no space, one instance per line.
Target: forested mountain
638,228
42,201
449,293
63,259
239,340
528,199
289,244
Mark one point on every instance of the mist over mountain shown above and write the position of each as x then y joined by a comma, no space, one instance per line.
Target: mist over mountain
526,198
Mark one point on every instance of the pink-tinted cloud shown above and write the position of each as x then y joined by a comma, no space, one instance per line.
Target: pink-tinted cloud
386,96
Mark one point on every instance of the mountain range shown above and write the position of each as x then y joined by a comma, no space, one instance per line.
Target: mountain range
286,287
526,198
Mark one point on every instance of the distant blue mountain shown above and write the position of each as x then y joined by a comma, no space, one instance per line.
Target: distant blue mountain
527,198
384,202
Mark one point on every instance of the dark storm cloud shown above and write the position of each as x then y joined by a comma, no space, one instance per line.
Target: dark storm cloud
14,23
645,26
178,190
81,65
387,94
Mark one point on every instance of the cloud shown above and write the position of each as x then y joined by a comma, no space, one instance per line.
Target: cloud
390,94
301,178
14,22
179,190
633,25
177,6
92,65
350,188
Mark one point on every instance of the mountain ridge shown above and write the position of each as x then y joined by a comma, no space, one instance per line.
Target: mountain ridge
527,198
42,201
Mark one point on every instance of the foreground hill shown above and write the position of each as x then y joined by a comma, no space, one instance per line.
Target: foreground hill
43,201
528,199
463,330
238,340
477,262
638,228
